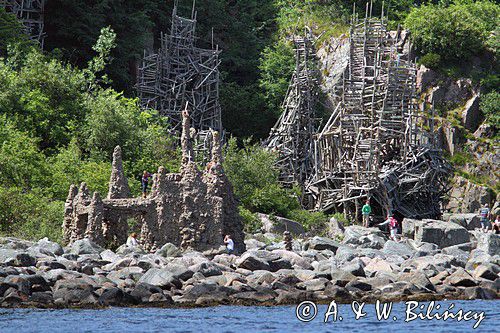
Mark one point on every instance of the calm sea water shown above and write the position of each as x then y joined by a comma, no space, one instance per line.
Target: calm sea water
235,319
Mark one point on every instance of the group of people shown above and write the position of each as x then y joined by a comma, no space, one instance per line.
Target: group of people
486,217
391,221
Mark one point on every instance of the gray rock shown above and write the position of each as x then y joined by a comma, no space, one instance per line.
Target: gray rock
489,243
486,271
356,268
417,278
278,225
443,234
127,250
207,269
252,262
14,243
401,249
335,228
110,256
85,246
460,278
52,247
471,114
169,250
166,277
469,221
345,254
321,243
253,244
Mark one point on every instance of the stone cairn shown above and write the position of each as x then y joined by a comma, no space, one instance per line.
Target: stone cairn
192,209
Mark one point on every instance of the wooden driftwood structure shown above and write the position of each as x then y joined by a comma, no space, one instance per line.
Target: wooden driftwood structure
181,73
30,13
376,144
292,135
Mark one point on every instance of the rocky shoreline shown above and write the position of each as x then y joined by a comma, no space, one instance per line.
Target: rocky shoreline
436,260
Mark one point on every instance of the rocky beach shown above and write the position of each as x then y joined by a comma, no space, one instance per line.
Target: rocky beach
434,260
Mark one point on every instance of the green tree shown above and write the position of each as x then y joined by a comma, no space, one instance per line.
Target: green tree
21,163
454,32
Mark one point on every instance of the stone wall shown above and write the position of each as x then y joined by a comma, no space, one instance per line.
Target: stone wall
192,209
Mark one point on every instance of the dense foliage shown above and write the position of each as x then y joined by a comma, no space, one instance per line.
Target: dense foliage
62,111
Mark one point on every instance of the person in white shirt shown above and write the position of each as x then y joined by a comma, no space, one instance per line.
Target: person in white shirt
132,240
229,244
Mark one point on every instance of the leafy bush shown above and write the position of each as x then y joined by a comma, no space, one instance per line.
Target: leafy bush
29,215
255,180
21,163
430,60
454,32
252,224
311,221
490,105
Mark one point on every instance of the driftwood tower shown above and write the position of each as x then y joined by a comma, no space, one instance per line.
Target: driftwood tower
374,144
292,135
30,13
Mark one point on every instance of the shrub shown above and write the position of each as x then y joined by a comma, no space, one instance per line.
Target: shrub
454,32
314,222
490,105
430,60
29,215
254,177
252,224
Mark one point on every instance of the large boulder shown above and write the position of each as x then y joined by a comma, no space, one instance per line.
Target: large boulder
442,233
278,225
172,275
353,233
335,228
51,247
321,243
399,249
469,221
85,246
169,250
489,243
471,114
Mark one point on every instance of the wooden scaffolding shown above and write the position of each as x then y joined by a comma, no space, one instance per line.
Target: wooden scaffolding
373,145
30,13
181,73
292,135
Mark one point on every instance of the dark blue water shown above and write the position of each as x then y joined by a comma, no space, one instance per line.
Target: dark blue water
235,319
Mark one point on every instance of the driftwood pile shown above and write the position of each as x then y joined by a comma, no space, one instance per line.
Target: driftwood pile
376,145
30,13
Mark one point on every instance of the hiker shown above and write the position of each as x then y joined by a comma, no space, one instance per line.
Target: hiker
366,211
393,227
144,183
132,240
229,244
484,213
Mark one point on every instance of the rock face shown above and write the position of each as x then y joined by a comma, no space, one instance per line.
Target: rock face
489,243
469,221
191,210
278,225
118,183
443,234
471,115
467,197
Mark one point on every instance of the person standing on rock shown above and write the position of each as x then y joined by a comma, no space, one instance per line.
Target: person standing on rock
144,183
393,227
366,211
229,244
132,240
484,213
